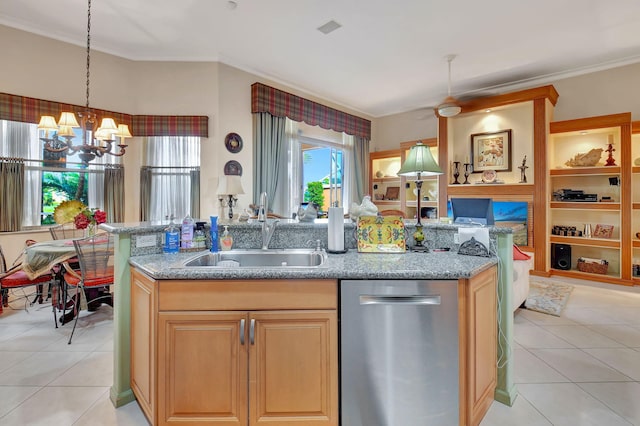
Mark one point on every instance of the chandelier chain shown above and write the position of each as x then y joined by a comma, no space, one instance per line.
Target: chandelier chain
88,49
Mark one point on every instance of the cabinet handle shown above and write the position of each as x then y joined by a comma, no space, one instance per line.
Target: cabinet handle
399,300
242,331
252,332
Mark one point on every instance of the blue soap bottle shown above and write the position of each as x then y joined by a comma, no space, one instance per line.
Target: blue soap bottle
171,238
214,234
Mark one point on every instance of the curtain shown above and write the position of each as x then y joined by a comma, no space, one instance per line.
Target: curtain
359,169
170,160
145,194
286,199
195,193
114,193
12,193
20,140
269,144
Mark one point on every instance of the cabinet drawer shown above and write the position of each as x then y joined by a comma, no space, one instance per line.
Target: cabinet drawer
247,295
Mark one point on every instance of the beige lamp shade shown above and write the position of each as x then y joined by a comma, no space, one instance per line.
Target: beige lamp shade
123,131
68,119
420,162
109,125
47,122
230,185
66,131
103,134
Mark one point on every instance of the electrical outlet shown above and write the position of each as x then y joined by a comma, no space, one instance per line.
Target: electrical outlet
456,238
145,241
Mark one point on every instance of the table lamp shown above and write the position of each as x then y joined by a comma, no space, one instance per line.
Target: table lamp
229,187
419,163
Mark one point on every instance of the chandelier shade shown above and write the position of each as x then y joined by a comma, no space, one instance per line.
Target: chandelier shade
96,142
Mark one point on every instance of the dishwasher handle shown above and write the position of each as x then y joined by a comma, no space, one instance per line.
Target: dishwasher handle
399,300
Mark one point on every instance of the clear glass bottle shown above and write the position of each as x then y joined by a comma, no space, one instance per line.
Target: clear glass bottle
199,237
186,233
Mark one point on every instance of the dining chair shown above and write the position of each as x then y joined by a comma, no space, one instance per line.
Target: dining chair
95,255
66,231
14,278
392,213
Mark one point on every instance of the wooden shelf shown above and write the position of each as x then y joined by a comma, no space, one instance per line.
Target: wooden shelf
582,241
635,169
605,278
636,243
581,171
480,189
387,179
581,205
636,206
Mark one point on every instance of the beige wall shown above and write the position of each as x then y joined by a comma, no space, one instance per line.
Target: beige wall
48,69
599,93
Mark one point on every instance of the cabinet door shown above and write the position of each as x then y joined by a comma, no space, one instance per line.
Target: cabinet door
143,303
482,340
293,368
202,368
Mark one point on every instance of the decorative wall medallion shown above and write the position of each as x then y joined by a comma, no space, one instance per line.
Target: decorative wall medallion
233,168
233,142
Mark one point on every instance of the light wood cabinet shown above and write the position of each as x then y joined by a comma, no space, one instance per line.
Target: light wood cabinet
609,185
635,201
242,352
478,345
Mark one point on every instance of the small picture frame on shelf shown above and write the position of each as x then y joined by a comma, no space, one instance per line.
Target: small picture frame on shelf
491,151
603,231
393,192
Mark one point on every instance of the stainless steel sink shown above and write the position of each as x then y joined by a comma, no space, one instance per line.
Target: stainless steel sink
286,258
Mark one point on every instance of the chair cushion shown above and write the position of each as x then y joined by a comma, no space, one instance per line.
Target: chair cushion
20,279
91,281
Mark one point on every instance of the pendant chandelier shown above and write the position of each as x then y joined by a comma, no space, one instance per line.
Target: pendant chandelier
95,143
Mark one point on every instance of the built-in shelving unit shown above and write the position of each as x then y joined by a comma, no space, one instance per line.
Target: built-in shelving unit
589,196
635,202
384,180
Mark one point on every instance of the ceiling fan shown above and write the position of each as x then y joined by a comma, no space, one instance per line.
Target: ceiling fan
449,107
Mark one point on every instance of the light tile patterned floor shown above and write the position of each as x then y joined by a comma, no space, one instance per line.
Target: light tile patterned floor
582,368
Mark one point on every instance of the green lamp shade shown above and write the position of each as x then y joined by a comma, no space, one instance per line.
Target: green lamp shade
420,162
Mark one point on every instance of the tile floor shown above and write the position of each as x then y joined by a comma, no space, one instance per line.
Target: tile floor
582,368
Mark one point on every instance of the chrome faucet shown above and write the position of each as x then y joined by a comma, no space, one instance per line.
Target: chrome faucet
267,230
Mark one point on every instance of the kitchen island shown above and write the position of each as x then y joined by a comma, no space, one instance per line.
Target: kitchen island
352,265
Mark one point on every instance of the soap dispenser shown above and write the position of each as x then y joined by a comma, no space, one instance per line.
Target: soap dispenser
226,240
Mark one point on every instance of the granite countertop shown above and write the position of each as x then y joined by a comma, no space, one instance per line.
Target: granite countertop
350,265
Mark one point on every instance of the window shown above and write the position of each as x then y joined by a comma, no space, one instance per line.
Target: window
170,177
51,178
318,157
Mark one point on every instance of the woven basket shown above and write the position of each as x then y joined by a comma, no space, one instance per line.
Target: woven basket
592,268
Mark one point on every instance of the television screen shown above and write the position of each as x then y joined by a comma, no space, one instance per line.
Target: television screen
473,211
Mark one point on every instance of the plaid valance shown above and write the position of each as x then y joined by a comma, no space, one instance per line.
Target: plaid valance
171,125
29,110
282,104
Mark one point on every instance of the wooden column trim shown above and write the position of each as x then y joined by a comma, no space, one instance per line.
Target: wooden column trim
443,161
542,195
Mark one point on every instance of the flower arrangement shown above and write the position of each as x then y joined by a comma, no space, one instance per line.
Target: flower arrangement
89,218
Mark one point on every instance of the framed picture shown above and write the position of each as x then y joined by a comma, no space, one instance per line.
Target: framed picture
603,231
393,192
491,151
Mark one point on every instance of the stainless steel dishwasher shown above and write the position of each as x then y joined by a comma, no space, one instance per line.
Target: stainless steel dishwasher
399,353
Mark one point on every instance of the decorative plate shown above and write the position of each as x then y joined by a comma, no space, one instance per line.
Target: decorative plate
233,142
489,176
380,234
233,168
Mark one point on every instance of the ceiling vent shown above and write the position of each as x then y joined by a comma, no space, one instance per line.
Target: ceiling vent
329,27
